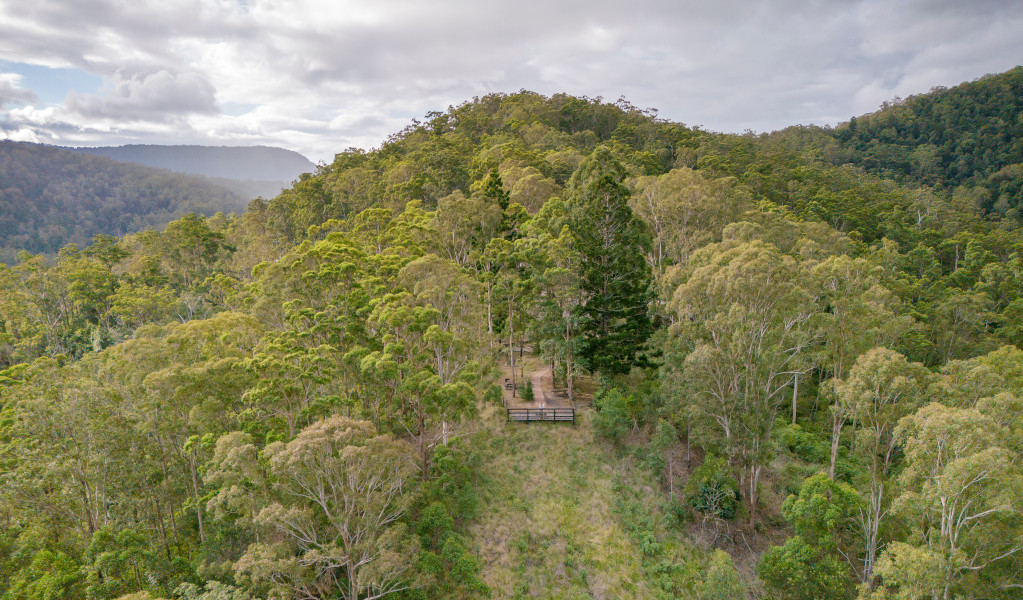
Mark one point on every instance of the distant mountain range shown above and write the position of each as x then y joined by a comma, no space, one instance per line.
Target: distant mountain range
965,141
50,196
256,163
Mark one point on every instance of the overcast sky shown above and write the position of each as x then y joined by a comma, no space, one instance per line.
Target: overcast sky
322,76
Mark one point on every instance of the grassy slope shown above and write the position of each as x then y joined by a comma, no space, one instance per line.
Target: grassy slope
552,524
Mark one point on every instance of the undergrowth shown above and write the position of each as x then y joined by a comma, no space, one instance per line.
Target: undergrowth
565,515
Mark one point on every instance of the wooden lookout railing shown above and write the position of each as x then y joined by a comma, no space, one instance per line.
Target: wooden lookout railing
542,414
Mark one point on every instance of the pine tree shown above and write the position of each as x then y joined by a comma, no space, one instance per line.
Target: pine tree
493,188
615,277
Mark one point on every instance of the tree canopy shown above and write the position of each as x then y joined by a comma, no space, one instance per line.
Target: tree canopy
796,355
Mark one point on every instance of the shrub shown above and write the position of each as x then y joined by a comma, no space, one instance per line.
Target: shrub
797,570
493,394
814,448
712,490
214,590
435,526
452,482
804,444
823,515
721,581
665,436
614,415
677,513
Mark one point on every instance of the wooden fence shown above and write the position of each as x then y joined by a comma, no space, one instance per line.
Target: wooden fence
542,414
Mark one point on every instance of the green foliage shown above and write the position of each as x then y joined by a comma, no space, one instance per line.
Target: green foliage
661,560
738,333
358,514
797,571
711,490
435,525
212,590
948,136
463,569
824,511
493,188
454,479
167,432
493,394
53,197
664,438
803,444
960,501
120,563
453,568
615,278
616,414
720,580
49,576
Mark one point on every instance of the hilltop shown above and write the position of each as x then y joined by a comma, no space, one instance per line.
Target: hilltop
796,371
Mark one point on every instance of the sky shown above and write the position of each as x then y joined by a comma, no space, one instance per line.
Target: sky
322,76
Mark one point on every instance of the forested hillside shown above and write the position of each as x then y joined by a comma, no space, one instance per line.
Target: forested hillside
256,163
797,376
966,141
971,135
50,197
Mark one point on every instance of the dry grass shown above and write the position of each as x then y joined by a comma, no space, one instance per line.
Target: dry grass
565,515
548,529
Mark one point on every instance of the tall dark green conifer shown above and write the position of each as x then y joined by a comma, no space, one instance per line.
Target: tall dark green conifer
616,278
493,188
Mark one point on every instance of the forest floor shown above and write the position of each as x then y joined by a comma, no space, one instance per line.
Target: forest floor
539,375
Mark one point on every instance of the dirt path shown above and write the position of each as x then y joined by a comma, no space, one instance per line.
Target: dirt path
537,380
539,377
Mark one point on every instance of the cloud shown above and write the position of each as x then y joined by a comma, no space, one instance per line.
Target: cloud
325,76
159,96
11,91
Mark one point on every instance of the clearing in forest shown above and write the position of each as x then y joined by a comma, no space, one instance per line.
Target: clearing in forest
529,370
552,523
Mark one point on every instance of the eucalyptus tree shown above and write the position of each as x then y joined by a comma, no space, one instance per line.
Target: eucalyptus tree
331,507
455,337
466,225
47,296
314,299
557,293
558,297
431,338
962,504
684,211
23,334
881,388
959,326
194,393
816,561
741,327
511,284
63,448
856,314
